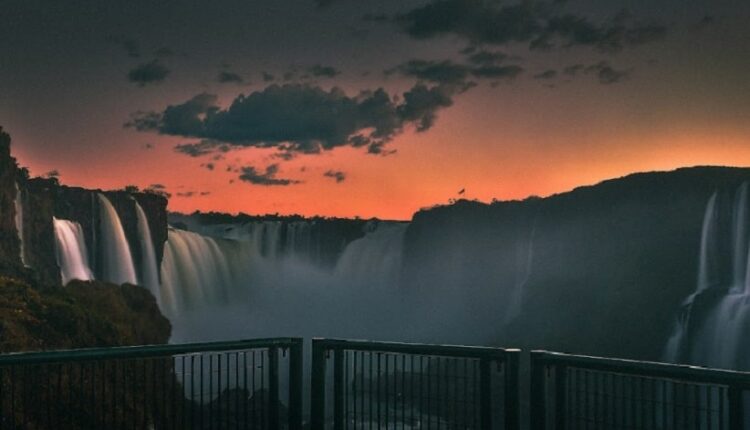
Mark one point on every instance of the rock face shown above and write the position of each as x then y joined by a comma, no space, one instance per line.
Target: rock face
10,247
43,199
599,270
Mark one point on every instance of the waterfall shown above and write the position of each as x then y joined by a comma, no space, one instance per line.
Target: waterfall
374,259
149,272
19,224
711,326
194,271
116,259
70,249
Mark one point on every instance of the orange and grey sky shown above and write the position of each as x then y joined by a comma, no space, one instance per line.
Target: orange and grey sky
582,92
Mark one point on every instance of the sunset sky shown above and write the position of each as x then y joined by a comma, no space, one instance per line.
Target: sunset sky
371,108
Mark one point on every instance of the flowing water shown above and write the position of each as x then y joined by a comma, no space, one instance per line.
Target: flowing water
710,328
70,249
116,260
149,273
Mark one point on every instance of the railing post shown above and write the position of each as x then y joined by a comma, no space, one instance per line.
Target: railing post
736,408
485,394
318,386
561,379
295,385
538,393
273,388
338,389
512,420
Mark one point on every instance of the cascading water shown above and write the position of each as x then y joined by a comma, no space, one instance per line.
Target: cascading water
116,260
19,224
149,271
710,329
373,259
70,249
194,271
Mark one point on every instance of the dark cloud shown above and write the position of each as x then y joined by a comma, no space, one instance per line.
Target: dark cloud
486,58
336,175
188,194
574,69
573,30
267,77
225,77
323,71
375,17
148,73
209,166
296,118
454,76
606,73
130,46
164,52
203,147
267,178
442,72
537,23
547,74
497,72
148,145
324,3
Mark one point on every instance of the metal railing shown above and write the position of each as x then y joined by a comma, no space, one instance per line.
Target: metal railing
223,385
399,385
580,392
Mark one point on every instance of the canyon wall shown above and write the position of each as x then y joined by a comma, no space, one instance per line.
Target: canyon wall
27,245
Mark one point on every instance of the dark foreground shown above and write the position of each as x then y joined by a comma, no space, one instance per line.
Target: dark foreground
264,383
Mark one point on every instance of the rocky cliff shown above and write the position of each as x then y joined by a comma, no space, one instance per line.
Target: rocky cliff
44,198
600,269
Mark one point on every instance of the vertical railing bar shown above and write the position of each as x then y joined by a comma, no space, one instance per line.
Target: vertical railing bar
512,388
370,406
273,388
560,382
248,396
317,386
485,394
403,391
338,389
295,385
736,406
263,394
362,384
421,391
538,394
255,399
466,393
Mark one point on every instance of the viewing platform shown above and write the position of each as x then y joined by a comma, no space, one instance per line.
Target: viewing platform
350,384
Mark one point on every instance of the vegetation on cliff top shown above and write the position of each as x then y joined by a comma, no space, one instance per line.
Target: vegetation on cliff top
82,314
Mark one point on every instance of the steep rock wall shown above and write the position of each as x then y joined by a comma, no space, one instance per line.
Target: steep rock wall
599,270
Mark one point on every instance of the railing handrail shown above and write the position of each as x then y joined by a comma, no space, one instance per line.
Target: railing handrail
653,369
143,351
415,348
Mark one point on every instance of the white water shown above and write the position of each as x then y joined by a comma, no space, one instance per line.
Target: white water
19,224
254,281
116,260
70,249
714,335
149,271
194,272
